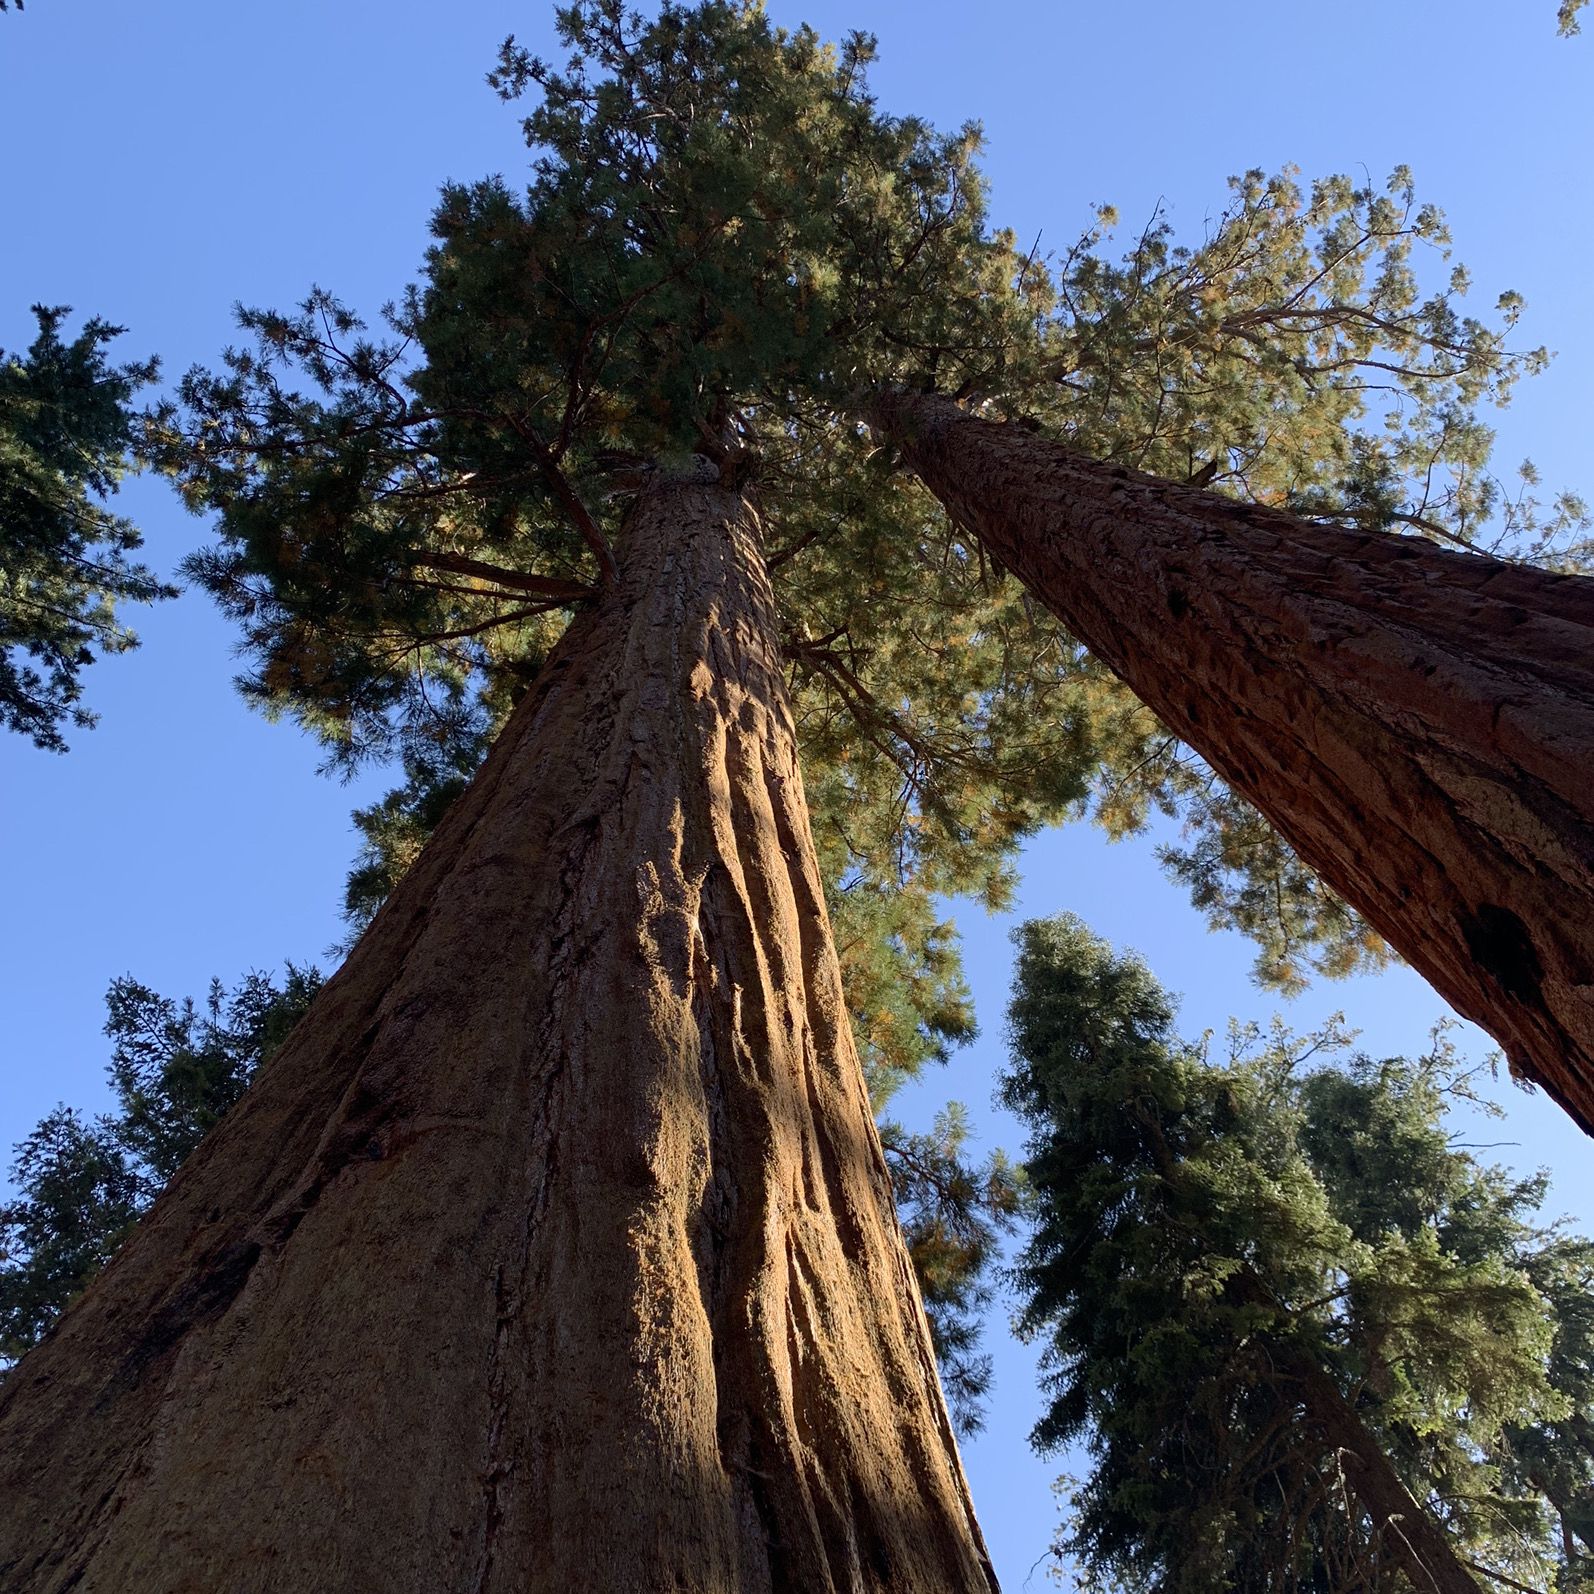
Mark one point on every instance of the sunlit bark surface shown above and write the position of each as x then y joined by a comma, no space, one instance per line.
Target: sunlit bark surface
555,1250
1417,722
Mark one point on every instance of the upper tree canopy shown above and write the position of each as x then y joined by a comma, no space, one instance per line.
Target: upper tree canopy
724,245
65,430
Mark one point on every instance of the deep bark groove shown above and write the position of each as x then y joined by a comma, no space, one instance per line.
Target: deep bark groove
555,1250
1417,722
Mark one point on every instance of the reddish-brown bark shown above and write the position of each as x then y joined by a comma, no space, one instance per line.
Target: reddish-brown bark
1417,722
555,1250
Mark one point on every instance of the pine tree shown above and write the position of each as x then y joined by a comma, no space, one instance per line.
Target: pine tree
558,1241
1311,1343
66,427
953,1217
83,1183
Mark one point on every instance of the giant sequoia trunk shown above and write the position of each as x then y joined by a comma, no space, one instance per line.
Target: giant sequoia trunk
555,1250
1418,723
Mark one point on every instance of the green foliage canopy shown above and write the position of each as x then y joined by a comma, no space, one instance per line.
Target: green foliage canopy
1202,1227
953,1217
723,244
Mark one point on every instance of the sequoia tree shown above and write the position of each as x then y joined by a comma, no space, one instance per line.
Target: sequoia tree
1417,721
555,1247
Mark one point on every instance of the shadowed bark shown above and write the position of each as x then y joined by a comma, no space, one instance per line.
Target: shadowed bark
1418,723
555,1249
1400,1526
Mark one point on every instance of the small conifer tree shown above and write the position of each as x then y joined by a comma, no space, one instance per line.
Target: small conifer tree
1273,1294
66,433
82,1182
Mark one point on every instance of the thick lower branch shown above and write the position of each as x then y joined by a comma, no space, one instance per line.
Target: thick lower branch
502,576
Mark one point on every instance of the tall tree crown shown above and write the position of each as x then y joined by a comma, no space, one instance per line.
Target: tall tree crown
724,245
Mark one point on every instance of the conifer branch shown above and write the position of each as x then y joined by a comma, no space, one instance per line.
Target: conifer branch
1499,1577
568,499
541,586
513,617
591,533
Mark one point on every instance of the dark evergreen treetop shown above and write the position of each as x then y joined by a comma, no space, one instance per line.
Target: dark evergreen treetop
65,431
1204,1231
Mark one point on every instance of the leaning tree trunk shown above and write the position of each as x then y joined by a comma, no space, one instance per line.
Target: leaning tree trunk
555,1250
1400,1527
1418,723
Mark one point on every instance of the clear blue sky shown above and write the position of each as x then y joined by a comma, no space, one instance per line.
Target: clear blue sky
164,158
